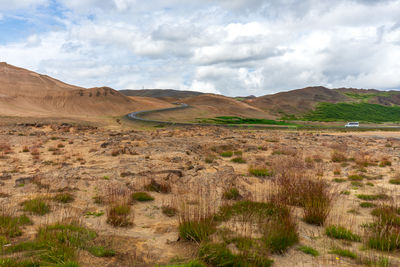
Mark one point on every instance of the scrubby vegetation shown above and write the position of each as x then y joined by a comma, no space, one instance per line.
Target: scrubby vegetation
239,120
354,112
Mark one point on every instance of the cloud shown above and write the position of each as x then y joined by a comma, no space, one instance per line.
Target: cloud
21,4
232,47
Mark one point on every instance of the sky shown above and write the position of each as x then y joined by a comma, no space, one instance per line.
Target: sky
230,47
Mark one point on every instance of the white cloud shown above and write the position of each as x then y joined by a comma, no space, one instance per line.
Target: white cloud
233,47
19,4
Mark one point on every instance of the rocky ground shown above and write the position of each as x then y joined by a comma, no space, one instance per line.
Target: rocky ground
189,171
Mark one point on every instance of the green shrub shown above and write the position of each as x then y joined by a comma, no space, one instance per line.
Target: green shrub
355,177
220,255
168,211
232,194
344,253
385,163
238,160
11,226
317,202
384,232
100,251
260,172
142,197
197,230
340,232
118,215
339,180
354,112
56,245
251,210
36,206
367,205
280,234
372,197
395,181
309,250
227,154
64,198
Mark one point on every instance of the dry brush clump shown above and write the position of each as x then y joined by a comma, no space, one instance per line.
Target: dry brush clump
119,211
298,186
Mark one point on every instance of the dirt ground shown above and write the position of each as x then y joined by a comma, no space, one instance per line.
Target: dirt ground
96,163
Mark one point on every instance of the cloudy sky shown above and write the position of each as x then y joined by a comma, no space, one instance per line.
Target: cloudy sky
232,47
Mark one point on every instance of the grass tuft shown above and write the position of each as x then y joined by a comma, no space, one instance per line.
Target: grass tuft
309,250
142,197
36,206
340,232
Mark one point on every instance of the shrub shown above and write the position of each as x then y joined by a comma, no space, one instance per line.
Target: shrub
56,245
142,197
309,250
64,197
385,162
317,201
100,251
209,159
169,211
355,177
340,232
260,172
344,253
339,180
367,205
395,181
219,255
118,215
158,187
36,206
384,232
372,197
238,160
232,194
10,226
227,154
196,230
280,234
337,156
387,215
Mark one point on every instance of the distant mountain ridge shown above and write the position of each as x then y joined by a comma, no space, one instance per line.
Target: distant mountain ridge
303,100
27,93
160,93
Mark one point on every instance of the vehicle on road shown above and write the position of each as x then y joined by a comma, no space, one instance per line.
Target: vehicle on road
352,124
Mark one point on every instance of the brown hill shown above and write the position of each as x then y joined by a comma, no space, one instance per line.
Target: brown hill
161,93
210,106
297,101
26,93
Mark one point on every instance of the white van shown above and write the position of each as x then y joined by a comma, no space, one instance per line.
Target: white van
352,124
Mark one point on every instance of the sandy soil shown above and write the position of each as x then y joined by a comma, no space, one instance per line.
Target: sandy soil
93,161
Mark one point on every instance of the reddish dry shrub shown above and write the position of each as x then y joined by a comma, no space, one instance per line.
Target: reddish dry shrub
337,156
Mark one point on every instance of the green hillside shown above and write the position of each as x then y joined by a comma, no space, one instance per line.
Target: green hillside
354,112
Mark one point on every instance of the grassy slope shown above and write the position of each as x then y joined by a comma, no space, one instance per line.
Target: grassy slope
354,112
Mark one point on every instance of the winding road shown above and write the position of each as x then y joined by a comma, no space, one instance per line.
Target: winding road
135,116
